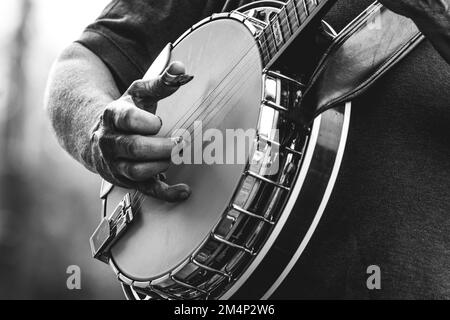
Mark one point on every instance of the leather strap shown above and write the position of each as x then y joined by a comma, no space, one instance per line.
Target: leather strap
363,52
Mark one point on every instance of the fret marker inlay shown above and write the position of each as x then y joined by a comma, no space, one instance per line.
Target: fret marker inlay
278,34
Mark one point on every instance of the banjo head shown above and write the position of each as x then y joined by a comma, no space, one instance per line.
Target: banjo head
225,94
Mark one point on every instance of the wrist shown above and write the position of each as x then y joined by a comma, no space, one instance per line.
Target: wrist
89,155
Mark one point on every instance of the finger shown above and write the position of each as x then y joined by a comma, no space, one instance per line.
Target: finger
126,117
142,171
161,190
143,148
146,93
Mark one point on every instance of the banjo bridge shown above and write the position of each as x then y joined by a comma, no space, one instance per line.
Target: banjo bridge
110,229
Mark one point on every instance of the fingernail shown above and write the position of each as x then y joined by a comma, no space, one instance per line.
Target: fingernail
160,120
176,68
182,80
176,81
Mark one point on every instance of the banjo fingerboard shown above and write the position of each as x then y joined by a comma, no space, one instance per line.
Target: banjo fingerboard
287,25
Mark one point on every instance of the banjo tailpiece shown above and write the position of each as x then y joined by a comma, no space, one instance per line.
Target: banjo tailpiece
110,229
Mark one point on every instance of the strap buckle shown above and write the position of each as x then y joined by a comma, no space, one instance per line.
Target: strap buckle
110,229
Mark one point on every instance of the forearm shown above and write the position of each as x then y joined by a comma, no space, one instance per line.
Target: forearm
79,88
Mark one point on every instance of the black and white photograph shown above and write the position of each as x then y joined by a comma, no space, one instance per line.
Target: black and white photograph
238,151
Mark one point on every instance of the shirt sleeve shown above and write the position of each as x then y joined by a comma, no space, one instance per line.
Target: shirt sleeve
129,34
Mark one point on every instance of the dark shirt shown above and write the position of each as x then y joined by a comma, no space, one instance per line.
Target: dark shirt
391,202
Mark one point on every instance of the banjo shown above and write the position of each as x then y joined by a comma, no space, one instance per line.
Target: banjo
245,225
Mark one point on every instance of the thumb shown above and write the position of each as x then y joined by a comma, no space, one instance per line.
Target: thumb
148,92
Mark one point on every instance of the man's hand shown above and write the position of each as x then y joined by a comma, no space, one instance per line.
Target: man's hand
124,148
431,16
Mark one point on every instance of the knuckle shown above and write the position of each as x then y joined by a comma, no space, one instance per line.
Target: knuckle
135,85
109,110
108,114
132,148
125,117
123,168
132,171
104,141
136,88
122,144
107,149
119,141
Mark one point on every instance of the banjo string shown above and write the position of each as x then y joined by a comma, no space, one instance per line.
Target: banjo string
204,102
211,104
138,197
262,41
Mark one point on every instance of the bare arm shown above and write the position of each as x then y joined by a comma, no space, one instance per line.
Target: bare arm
110,134
80,86
431,16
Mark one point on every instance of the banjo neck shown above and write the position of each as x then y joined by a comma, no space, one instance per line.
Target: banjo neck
287,25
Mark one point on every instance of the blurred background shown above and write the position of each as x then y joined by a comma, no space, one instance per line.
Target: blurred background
49,203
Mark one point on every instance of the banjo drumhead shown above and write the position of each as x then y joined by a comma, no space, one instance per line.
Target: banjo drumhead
226,91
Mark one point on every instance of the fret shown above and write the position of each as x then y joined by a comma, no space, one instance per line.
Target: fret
289,22
311,5
270,41
263,43
284,22
277,32
305,7
296,19
300,9
265,59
